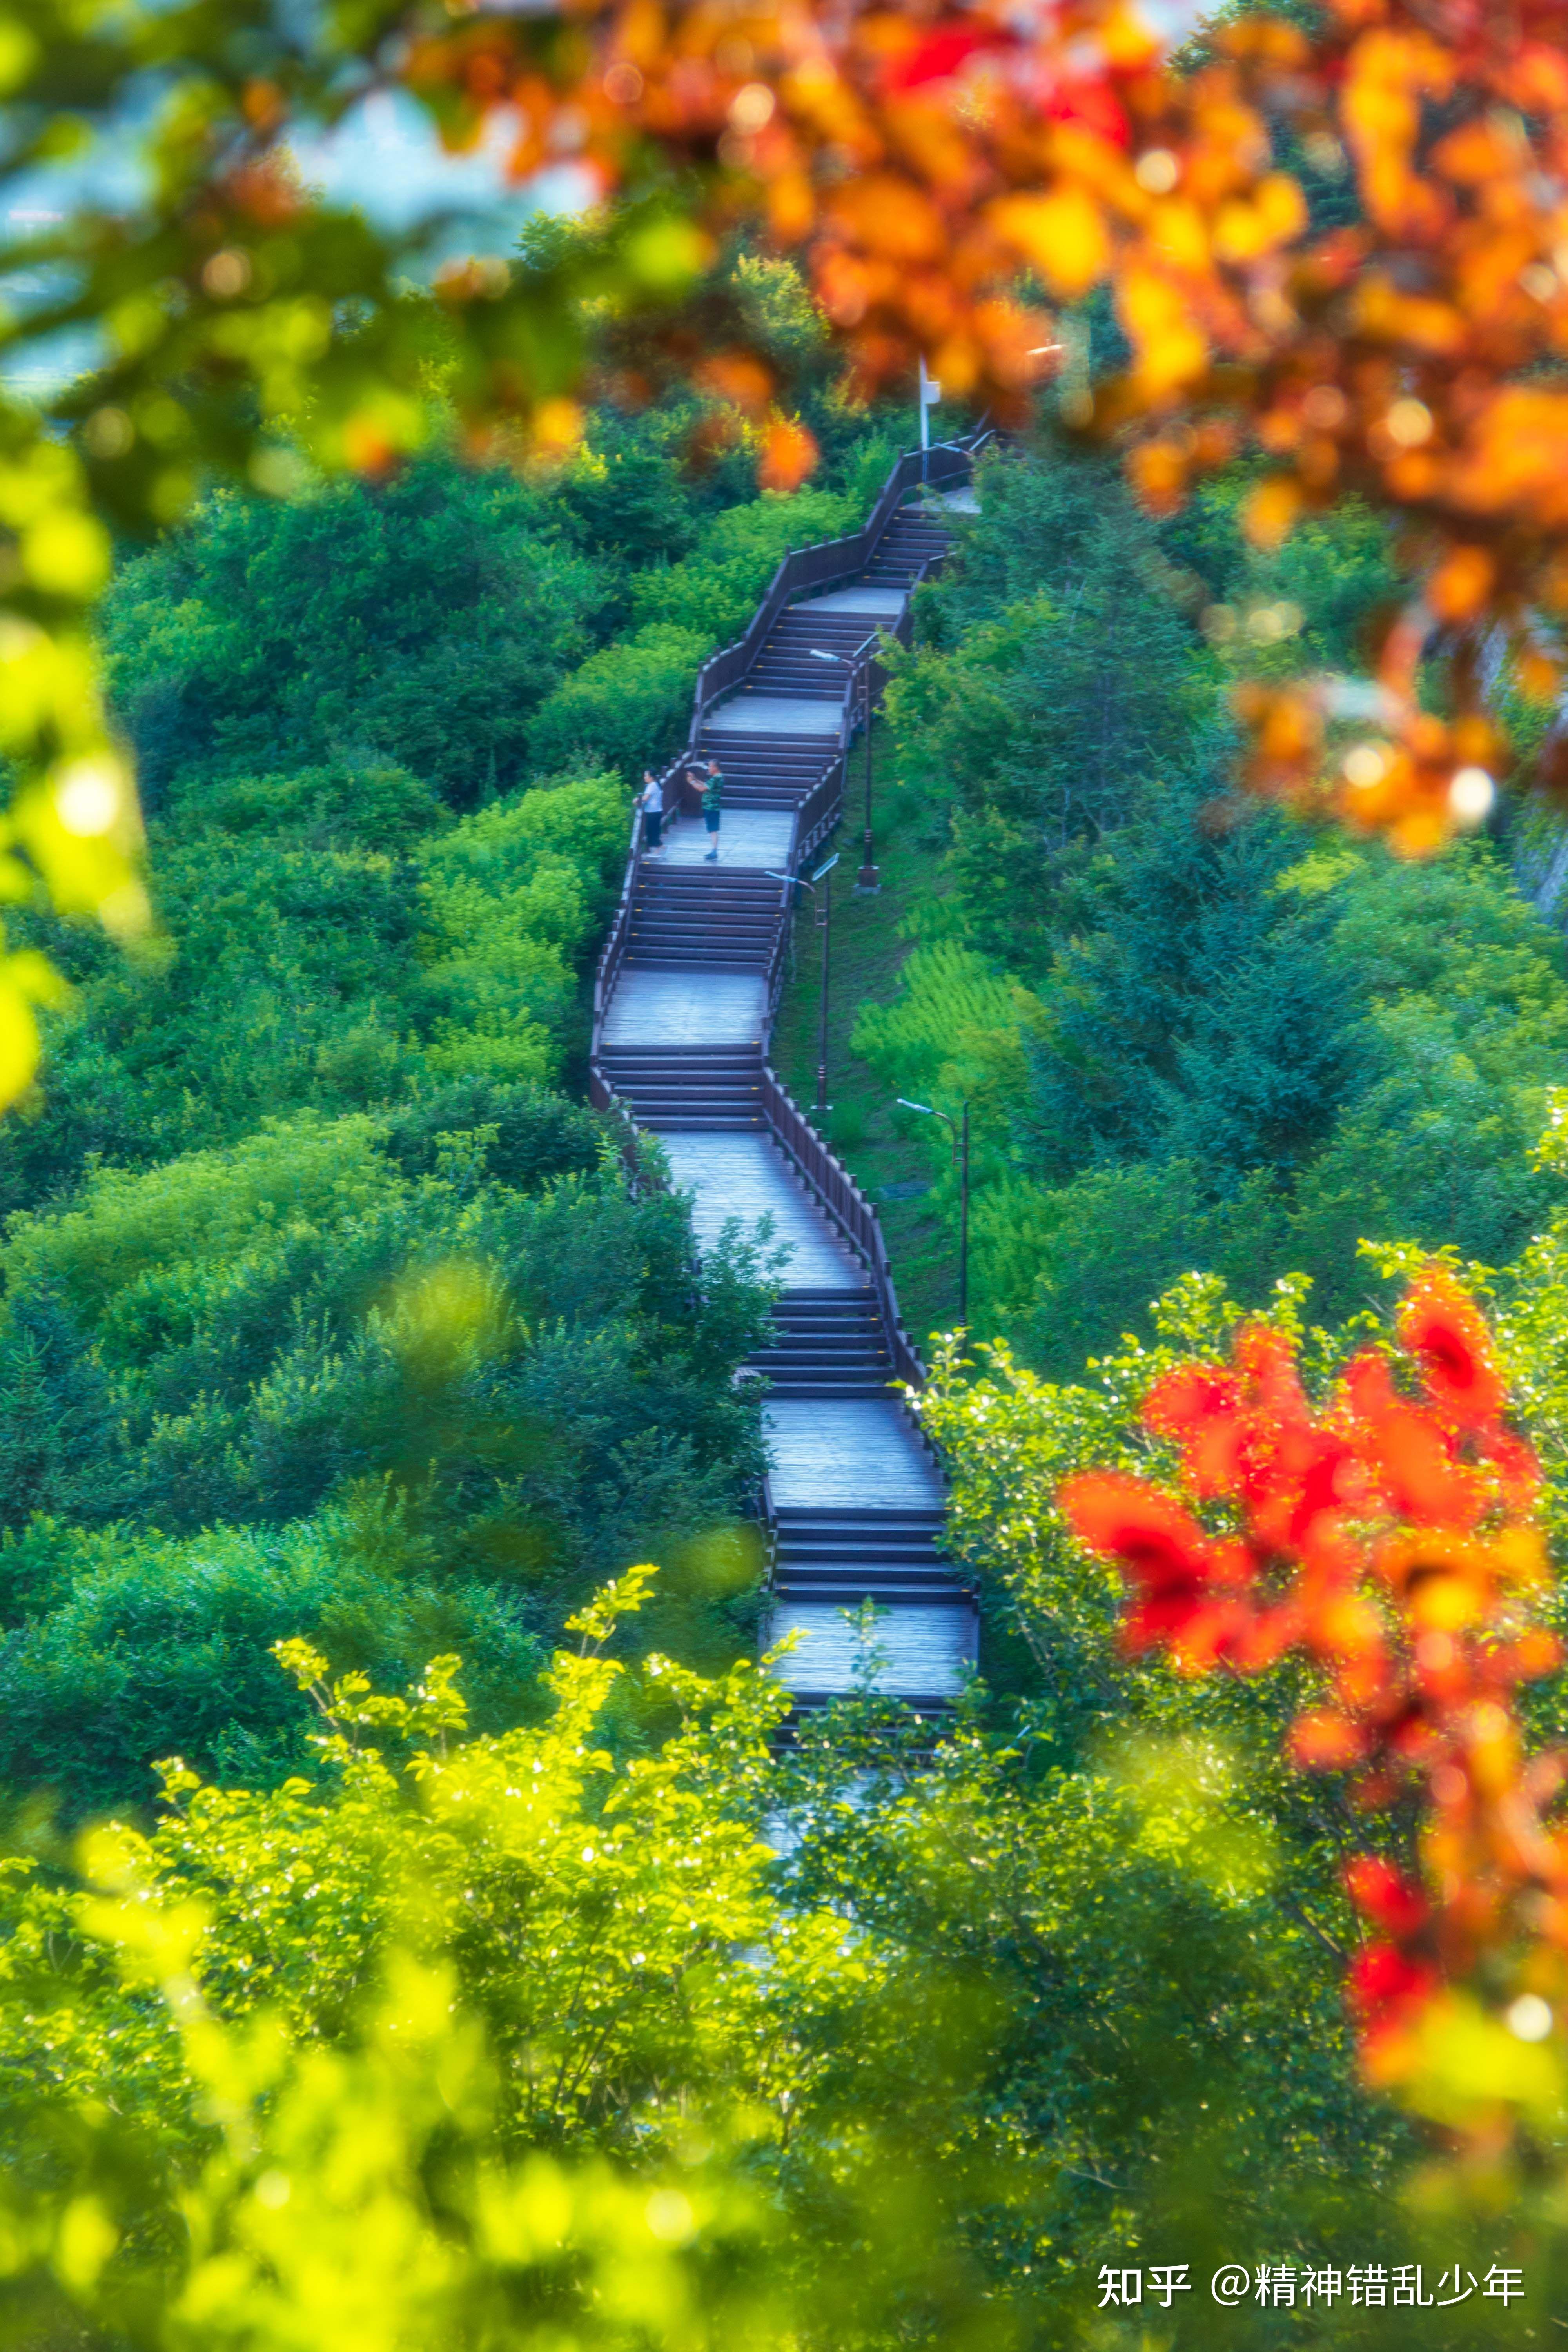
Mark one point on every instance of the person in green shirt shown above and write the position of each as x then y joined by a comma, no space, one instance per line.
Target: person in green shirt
712,801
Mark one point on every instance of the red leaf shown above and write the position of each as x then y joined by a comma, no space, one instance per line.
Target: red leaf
1444,1331
1386,1895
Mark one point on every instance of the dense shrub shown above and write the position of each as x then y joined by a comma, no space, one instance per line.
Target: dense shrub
714,591
303,965
628,706
421,620
1190,1037
153,1643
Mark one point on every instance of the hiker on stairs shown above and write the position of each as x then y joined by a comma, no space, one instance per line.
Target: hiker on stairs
650,800
712,787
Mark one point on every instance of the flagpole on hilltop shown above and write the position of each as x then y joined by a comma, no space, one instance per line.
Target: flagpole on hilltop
930,394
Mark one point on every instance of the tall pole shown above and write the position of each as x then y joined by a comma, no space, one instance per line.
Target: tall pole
925,420
867,878
963,1229
826,918
958,1147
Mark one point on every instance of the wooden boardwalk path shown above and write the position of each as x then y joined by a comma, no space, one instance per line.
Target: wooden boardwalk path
687,991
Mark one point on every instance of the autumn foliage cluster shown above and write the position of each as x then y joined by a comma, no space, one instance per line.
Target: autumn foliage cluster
935,163
1386,1541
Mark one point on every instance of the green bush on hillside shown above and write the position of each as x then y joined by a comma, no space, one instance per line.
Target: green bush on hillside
715,590
420,620
148,1643
1191,1038
513,895
627,707
383,809
332,939
536,1383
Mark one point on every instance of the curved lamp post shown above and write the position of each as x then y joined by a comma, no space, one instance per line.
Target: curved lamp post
960,1134
867,879
824,925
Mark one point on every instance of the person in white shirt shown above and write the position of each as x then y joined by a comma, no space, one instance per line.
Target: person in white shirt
650,800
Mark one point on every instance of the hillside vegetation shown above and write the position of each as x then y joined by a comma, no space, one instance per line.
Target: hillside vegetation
1193,1035
447,1962
329,1311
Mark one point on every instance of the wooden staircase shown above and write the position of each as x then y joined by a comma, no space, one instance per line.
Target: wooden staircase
767,771
827,1343
910,542
846,1557
788,664
836,1350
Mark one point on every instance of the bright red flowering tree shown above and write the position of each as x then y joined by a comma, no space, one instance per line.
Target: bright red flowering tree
1388,1539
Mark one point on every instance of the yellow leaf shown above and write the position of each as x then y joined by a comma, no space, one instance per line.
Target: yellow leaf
19,53
86,2239
668,255
1064,234
1172,348
18,1041
67,554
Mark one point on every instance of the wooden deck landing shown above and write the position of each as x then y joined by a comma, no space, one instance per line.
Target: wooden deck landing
747,1176
859,1452
686,1005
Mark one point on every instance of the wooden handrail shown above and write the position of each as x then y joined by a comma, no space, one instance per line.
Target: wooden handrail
612,955
848,1209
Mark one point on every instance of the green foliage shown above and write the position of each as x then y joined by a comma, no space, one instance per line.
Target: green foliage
514,895
956,1017
129,1642
1064,680
628,706
714,591
1073,1266
332,940
383,810
1335,571
420,621
1145,2002
385,1910
486,2032
1189,1038
300,1241
540,1380
975,2032
1196,1015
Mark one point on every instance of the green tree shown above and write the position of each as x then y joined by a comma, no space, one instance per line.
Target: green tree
420,621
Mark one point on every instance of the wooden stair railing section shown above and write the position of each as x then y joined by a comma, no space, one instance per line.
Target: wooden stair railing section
684,1002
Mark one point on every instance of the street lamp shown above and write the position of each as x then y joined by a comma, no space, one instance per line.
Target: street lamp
824,925
867,879
961,1162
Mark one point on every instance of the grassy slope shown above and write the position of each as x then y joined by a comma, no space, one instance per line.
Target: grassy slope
868,950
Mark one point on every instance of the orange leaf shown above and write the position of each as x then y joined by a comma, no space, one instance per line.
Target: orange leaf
1326,1743
1269,514
792,208
789,455
738,377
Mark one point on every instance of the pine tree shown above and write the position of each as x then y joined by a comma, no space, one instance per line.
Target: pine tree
1202,1019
